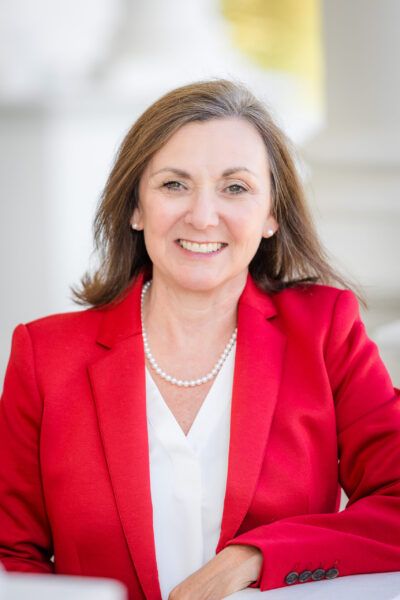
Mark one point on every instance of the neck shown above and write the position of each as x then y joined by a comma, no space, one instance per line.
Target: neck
176,314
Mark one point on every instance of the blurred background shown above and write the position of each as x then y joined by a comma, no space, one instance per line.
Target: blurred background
74,75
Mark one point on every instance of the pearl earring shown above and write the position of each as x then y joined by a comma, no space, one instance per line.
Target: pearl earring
134,225
270,232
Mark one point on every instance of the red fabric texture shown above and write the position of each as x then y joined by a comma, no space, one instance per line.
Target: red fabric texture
313,407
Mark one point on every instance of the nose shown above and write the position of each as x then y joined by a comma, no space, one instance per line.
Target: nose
202,212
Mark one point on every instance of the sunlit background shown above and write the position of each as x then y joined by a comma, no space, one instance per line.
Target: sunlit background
74,75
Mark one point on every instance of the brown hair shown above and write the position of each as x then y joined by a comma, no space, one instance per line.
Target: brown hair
293,256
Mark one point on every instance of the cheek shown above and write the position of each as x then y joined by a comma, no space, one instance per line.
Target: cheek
160,215
247,225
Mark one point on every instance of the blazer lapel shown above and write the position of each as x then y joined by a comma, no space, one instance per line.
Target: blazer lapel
118,382
258,367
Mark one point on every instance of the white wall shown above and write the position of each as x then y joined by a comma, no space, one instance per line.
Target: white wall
355,162
55,156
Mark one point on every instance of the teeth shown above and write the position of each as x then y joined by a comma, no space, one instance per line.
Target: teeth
202,248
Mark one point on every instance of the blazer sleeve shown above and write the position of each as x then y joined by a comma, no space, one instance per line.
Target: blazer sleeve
25,536
365,536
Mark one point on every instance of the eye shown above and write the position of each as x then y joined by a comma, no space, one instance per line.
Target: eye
235,188
173,185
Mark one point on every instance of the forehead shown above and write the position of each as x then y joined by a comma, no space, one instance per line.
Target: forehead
217,143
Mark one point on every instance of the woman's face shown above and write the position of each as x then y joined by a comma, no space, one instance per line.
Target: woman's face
204,204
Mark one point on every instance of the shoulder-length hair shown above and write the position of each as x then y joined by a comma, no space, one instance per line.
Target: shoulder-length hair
293,256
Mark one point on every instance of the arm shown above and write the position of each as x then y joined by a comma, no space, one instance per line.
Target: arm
25,536
365,537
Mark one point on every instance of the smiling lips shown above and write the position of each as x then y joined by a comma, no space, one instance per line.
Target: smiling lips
201,247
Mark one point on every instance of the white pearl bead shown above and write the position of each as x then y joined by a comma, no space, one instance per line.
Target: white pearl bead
169,378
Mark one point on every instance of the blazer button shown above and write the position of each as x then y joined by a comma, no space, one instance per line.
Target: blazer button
318,574
291,577
305,576
331,573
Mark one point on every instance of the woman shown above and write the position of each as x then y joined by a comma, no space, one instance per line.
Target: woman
182,434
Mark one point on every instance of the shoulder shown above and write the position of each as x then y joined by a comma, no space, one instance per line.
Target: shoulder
56,321
57,343
316,297
317,307
61,328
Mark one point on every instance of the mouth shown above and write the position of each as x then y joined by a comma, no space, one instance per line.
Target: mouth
201,247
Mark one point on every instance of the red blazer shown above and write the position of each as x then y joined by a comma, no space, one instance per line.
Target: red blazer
309,389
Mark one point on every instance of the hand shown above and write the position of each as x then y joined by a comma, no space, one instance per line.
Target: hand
231,570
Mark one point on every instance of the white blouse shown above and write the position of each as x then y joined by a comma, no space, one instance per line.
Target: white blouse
188,478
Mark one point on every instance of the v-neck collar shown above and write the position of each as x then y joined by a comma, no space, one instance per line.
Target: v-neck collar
117,380
214,404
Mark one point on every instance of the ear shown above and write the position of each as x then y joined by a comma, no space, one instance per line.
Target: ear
270,227
136,219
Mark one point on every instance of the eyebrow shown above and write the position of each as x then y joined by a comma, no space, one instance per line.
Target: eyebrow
181,173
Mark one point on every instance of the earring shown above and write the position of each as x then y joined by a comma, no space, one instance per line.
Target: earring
270,232
134,226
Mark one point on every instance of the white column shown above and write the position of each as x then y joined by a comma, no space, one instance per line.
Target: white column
355,162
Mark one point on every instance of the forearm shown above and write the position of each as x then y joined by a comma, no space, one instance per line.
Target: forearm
245,561
230,571
365,538
21,565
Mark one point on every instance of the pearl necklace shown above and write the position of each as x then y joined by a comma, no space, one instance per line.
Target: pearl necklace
186,382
